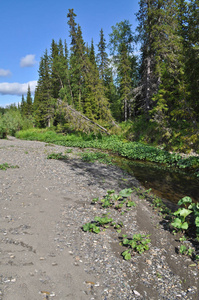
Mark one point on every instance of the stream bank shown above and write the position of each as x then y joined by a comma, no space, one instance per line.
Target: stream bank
44,204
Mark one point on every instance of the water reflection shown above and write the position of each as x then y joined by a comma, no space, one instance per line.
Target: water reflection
165,183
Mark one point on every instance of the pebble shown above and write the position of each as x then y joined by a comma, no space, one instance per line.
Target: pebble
145,275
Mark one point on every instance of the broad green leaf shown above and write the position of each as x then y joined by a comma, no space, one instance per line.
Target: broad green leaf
116,197
177,212
185,212
183,249
127,255
176,223
125,242
86,227
185,201
185,226
130,204
133,244
110,192
96,229
125,193
137,237
197,221
140,249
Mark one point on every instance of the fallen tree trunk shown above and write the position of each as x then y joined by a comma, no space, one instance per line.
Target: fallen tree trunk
77,113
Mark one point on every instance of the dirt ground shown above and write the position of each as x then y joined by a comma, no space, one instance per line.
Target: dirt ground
43,253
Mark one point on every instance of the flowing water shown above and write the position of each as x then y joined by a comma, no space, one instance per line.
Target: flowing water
166,183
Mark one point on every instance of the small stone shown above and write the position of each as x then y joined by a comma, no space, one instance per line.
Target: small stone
97,284
52,294
136,293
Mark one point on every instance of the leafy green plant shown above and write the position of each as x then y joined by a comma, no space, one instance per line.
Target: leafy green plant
138,243
131,150
96,156
102,221
130,204
92,227
99,222
117,226
116,201
95,200
58,156
182,239
69,151
3,129
6,166
180,222
186,251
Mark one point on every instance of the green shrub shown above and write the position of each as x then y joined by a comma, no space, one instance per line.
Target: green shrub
3,131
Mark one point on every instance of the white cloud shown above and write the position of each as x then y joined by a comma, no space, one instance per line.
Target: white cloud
16,88
28,61
5,73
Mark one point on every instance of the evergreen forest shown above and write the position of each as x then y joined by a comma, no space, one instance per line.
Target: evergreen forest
150,95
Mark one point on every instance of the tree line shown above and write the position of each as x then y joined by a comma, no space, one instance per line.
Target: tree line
156,90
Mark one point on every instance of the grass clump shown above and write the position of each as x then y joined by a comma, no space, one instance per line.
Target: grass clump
6,166
96,156
58,156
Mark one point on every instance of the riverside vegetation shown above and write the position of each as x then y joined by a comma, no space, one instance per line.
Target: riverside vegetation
184,221
138,243
116,144
178,222
188,229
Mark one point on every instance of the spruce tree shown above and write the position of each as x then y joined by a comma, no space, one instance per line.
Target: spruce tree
124,81
44,103
23,106
92,55
86,82
102,56
106,75
148,79
121,46
29,104
192,56
56,82
76,71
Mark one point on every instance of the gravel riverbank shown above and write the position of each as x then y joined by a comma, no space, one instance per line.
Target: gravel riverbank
44,254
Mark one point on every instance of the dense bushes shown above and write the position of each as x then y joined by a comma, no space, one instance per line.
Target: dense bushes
12,121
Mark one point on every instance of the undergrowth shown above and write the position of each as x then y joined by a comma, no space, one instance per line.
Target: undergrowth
130,150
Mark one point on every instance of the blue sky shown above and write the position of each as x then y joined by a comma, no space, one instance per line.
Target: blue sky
28,27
